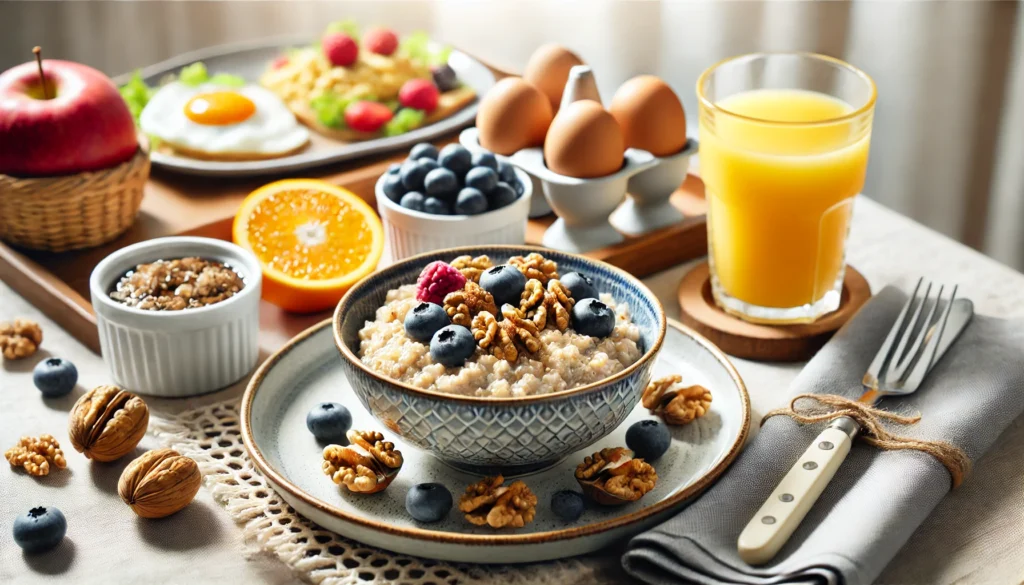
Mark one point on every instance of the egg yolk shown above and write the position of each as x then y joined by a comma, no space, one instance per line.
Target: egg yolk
219,108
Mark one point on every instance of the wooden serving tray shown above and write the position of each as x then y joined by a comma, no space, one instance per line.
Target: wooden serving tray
58,283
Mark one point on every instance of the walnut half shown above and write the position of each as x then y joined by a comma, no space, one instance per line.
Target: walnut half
20,339
614,477
676,404
535,266
368,465
471,267
489,502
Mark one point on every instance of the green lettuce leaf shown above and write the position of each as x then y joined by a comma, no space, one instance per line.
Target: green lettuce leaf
349,27
419,48
196,74
330,109
136,94
404,120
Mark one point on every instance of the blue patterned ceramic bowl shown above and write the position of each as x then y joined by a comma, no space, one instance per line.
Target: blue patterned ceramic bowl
510,435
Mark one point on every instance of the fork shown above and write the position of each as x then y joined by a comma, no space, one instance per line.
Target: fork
909,352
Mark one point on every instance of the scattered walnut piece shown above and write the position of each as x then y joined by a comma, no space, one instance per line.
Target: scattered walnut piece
533,295
463,305
535,266
471,267
368,465
20,339
675,404
521,329
614,476
36,455
490,503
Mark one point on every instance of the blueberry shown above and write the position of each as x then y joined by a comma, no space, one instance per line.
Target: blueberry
452,345
413,172
436,206
518,188
455,158
485,159
580,286
507,172
649,439
423,149
40,529
413,200
445,78
329,421
442,183
482,178
590,317
393,187
424,320
501,196
567,505
470,202
428,502
393,168
505,283
55,377
428,163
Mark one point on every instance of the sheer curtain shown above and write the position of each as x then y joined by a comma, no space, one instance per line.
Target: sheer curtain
948,144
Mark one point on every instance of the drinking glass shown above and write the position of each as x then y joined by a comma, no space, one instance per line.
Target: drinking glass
783,151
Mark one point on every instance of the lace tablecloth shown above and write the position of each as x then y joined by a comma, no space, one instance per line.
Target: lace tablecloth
238,529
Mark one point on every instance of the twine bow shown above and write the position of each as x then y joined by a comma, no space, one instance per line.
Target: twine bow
873,432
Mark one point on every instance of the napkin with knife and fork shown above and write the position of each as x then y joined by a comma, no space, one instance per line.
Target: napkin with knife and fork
877,499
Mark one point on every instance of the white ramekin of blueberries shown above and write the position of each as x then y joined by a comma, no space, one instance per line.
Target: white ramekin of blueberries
449,197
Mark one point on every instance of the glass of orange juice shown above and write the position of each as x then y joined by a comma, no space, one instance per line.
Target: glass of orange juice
783,151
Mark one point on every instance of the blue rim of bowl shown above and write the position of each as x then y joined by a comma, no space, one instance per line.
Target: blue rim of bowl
278,481
649,353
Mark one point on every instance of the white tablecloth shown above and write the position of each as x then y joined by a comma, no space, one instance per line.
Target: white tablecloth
973,537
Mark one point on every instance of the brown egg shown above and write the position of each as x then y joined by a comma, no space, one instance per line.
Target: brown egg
548,69
584,141
513,115
650,115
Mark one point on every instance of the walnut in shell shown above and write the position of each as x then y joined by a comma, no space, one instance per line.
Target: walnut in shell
489,502
366,466
36,455
20,339
675,404
107,423
159,483
614,476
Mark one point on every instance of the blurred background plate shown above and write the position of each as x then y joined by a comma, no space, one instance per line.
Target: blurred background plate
307,371
250,59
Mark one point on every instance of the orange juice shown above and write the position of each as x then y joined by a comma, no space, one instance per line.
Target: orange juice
780,168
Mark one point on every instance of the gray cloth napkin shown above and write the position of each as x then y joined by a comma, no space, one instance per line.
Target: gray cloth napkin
878,498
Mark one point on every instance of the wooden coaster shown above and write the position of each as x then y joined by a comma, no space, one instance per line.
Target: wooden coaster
774,343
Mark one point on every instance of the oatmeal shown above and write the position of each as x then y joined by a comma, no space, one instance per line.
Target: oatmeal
175,285
564,359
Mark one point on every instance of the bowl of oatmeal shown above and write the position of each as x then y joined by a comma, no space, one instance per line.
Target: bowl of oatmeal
178,316
499,358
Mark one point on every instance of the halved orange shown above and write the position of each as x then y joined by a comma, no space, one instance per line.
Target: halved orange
313,239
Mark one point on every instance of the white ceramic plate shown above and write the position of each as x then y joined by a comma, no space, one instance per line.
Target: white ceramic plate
250,59
306,371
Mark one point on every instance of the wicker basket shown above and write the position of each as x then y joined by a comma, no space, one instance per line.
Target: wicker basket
72,211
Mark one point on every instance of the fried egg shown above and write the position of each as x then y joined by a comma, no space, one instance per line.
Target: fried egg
222,122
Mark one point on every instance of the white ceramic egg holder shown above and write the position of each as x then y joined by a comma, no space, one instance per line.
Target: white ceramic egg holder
594,213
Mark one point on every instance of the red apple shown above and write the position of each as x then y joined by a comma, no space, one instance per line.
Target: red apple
79,124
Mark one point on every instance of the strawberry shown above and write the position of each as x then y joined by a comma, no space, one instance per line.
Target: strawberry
367,116
279,62
381,41
420,94
340,49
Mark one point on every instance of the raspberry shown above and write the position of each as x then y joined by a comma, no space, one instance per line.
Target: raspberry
340,49
437,280
420,94
381,41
